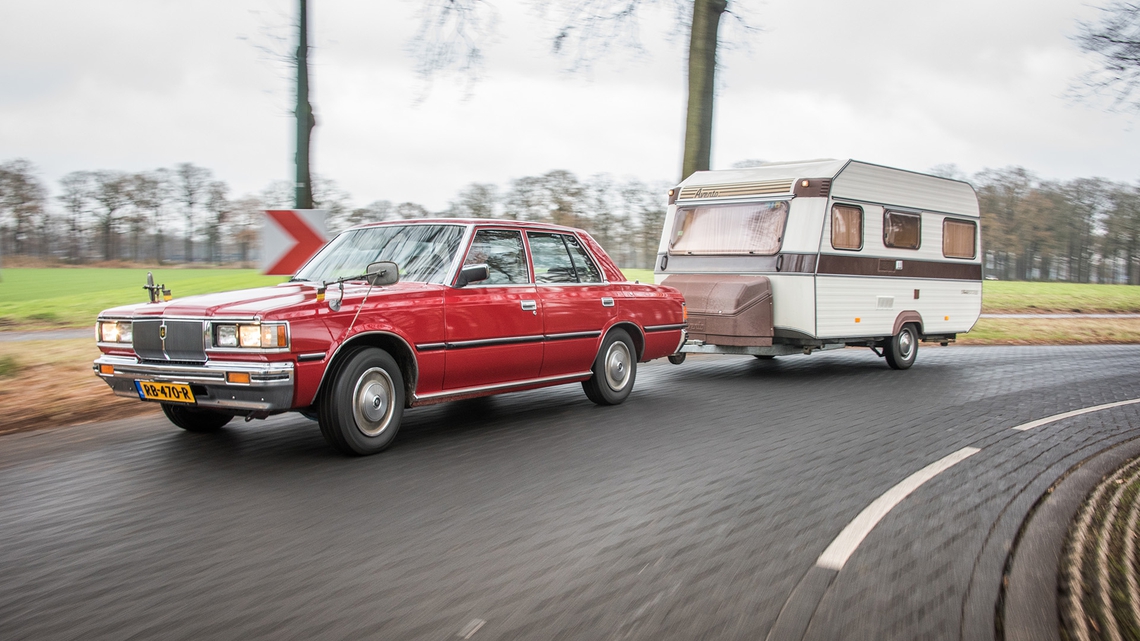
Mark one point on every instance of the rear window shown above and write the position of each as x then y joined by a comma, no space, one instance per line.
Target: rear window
959,238
752,228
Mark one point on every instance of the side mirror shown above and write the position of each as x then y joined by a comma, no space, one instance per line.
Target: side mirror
471,274
382,273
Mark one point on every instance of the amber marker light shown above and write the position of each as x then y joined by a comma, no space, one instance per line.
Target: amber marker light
237,377
107,369
857,319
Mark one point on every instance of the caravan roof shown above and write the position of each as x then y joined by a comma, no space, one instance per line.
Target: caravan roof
849,180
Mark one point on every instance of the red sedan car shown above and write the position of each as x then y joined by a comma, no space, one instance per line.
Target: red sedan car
391,316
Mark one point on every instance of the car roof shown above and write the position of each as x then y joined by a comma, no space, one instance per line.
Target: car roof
493,222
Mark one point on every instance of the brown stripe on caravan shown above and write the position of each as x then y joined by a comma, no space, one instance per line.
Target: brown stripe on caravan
740,264
830,264
732,190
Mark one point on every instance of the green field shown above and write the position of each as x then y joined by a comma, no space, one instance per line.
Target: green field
66,297
1013,296
72,297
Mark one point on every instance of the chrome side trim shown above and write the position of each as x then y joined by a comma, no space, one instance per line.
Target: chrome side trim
315,356
488,342
558,337
501,386
665,328
430,347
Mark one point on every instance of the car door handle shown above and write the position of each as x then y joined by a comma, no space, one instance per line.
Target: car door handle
529,306
607,301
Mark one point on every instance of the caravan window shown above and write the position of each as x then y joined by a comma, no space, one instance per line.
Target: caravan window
752,228
846,227
903,231
959,238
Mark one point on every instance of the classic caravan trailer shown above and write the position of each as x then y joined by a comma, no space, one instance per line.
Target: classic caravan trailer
823,254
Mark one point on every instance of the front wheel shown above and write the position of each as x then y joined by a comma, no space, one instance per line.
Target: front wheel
193,419
362,406
615,369
901,348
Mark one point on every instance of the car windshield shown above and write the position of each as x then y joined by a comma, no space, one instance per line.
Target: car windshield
422,252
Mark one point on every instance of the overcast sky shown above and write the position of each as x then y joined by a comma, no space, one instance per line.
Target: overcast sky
139,84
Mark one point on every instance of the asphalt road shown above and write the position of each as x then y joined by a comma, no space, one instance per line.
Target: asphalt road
690,512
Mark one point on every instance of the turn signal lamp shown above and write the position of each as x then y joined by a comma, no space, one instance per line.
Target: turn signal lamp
107,369
684,313
237,377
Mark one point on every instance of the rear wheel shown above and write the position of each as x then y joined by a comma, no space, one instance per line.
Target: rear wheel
901,348
193,419
615,369
361,408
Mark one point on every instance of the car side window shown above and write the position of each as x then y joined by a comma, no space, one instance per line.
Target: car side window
587,271
552,263
502,251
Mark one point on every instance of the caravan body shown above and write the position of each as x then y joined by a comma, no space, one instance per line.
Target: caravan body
822,254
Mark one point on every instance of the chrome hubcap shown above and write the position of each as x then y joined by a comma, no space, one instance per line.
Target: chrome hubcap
372,401
906,344
617,365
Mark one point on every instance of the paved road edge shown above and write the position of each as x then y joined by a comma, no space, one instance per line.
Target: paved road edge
1030,601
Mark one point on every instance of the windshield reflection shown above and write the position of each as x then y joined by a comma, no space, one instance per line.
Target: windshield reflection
423,252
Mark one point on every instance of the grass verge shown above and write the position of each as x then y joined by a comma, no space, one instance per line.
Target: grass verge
1052,331
50,383
52,298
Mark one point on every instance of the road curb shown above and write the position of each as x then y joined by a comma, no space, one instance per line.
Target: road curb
1030,597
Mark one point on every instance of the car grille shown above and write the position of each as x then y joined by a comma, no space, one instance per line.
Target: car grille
185,340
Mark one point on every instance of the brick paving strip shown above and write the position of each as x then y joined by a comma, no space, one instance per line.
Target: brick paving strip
1099,596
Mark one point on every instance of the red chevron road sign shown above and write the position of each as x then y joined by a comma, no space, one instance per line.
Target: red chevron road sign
290,237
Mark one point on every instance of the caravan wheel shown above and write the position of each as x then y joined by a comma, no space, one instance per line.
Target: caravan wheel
902,348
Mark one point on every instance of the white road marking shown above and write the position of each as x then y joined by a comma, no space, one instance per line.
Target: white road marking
471,628
1058,417
844,545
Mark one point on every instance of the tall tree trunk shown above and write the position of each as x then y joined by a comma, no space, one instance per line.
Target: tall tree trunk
702,74
305,120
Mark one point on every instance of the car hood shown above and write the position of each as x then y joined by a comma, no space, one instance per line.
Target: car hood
250,303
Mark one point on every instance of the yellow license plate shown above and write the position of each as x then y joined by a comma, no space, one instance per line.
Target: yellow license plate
165,392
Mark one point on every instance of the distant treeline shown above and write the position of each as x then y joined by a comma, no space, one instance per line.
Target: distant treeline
184,215
1082,230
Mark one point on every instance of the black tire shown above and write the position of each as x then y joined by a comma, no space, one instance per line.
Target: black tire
362,405
677,359
902,348
615,369
194,419
765,357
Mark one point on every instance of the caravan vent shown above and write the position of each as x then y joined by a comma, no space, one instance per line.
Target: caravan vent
759,188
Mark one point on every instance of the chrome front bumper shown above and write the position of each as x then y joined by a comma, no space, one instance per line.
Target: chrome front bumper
270,386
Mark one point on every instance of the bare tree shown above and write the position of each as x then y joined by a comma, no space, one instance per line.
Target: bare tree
218,207
245,219
22,198
411,210
453,32
477,200
76,198
190,186
109,191
1114,40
